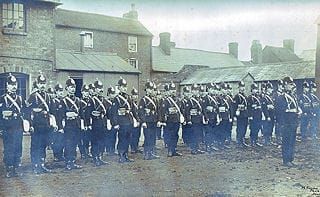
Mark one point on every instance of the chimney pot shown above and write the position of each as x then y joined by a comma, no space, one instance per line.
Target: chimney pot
233,49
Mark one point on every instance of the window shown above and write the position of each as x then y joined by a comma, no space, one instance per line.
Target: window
132,44
133,62
13,16
88,40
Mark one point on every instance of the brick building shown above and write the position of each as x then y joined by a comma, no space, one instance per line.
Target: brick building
27,42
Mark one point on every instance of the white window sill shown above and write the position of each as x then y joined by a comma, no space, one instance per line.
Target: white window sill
12,32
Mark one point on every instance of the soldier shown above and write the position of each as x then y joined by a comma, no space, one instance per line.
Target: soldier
40,123
70,111
171,116
98,108
254,114
315,110
182,105
11,108
211,117
149,118
159,99
85,135
228,97
289,113
305,105
268,110
276,96
241,114
135,135
58,139
194,118
122,120
111,135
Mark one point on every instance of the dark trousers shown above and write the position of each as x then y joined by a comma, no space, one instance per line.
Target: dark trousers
149,136
208,134
124,138
255,127
58,144
172,128
12,146
71,139
159,133
98,134
304,125
39,142
314,124
222,129
229,131
277,130
288,142
195,135
111,137
242,125
84,142
135,136
165,135
267,129
186,131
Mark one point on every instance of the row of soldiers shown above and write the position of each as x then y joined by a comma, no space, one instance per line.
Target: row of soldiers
205,114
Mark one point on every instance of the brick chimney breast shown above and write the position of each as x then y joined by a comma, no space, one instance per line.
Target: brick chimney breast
233,49
256,52
165,43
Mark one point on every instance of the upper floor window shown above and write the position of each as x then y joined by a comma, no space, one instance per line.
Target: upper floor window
88,40
132,44
13,16
133,62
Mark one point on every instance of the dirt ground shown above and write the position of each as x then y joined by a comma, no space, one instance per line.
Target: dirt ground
233,172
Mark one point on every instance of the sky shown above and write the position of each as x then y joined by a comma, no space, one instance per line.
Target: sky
211,25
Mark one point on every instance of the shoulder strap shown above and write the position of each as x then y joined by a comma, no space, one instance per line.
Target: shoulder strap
13,102
42,100
72,103
100,103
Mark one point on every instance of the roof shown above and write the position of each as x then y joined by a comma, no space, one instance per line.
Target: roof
308,55
76,19
262,72
94,62
180,57
271,54
57,2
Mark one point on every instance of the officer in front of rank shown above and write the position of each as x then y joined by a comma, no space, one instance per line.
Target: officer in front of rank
305,105
241,114
11,122
254,114
122,120
70,111
289,112
315,111
171,116
40,124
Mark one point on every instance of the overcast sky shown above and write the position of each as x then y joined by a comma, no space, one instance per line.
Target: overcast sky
211,25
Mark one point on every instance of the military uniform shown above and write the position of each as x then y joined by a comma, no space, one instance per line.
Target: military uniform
305,104
111,135
315,111
276,97
185,127
136,128
39,107
241,114
255,115
11,122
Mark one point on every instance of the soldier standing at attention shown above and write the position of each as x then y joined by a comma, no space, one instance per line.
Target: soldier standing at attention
288,118
171,116
122,120
136,129
111,135
315,110
276,96
39,105
255,115
305,105
241,114
58,139
70,110
186,94
11,122
98,112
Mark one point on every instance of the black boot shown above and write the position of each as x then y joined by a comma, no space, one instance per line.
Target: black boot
75,166
36,169
127,158
147,155
96,161
122,158
9,170
101,161
43,168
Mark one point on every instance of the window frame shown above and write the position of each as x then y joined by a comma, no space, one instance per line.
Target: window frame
136,62
84,39
12,18
132,40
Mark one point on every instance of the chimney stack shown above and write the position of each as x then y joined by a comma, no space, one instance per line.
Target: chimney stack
233,49
165,43
82,35
289,44
132,14
256,52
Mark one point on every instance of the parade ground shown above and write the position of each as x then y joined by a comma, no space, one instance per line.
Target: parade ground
231,172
